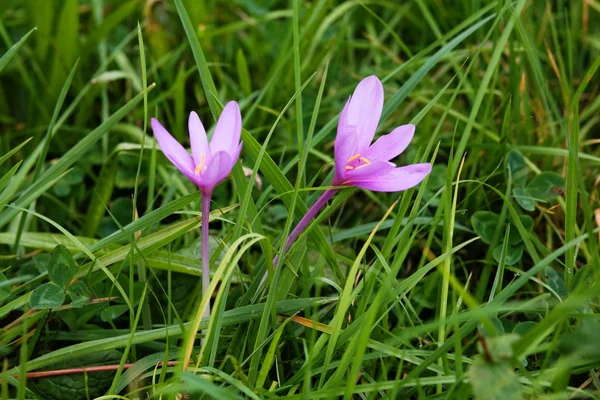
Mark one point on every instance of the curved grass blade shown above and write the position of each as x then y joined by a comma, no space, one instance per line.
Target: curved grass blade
37,188
231,317
14,49
13,151
205,77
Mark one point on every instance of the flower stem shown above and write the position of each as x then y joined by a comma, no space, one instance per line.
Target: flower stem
310,214
205,248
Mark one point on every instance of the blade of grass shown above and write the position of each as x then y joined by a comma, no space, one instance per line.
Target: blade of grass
69,158
450,213
13,151
483,86
573,174
345,298
271,298
298,79
46,143
205,77
232,317
5,59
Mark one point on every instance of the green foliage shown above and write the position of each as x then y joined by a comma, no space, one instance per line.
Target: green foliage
546,186
486,223
555,281
4,291
46,296
12,52
78,386
512,256
582,341
516,168
79,294
543,188
491,373
61,267
61,270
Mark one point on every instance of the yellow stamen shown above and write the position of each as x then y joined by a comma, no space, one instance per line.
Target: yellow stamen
365,162
354,157
200,167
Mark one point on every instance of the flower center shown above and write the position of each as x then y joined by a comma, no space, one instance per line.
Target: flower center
356,162
202,166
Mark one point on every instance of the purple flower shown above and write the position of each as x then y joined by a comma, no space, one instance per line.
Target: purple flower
209,164
365,165
360,163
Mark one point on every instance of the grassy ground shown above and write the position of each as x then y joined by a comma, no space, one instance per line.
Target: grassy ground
480,283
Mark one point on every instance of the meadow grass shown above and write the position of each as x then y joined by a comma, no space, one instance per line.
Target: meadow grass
481,282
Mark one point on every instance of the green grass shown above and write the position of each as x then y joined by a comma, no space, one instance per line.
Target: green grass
482,282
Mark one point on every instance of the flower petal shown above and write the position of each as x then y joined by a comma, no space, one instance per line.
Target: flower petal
198,139
399,179
173,150
345,144
373,170
228,130
391,145
219,167
344,149
365,110
236,154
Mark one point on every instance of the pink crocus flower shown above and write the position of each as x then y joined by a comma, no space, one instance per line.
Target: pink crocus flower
208,165
360,163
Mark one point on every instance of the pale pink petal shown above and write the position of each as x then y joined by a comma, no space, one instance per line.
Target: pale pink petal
345,143
364,172
236,154
343,121
173,150
399,179
198,139
228,130
391,145
364,111
219,167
